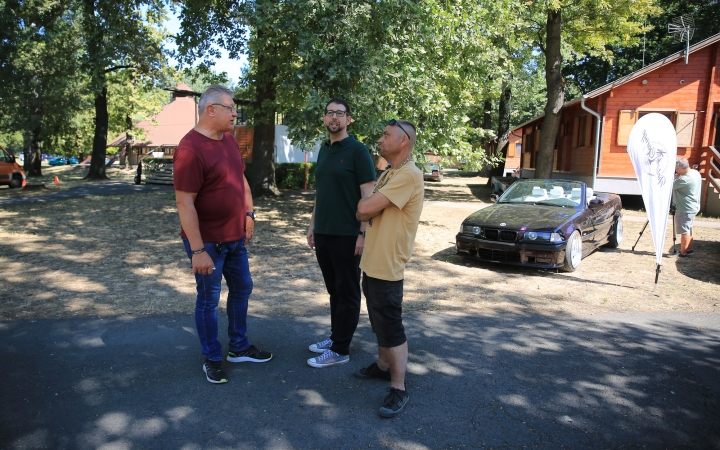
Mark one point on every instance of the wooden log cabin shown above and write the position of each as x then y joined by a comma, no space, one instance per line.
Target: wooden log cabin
164,132
688,94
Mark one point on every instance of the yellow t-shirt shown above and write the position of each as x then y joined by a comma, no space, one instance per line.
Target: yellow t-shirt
389,240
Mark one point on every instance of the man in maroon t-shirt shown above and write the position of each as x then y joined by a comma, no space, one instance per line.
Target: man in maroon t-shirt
216,214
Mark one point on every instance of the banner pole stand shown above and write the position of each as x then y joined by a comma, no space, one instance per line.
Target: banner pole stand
641,233
674,235
657,275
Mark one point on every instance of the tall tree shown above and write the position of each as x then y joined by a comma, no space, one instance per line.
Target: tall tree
42,83
118,35
423,61
580,27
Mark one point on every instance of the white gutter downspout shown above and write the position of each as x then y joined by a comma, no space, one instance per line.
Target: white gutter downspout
597,139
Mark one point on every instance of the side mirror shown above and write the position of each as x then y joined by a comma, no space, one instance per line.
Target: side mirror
596,203
494,198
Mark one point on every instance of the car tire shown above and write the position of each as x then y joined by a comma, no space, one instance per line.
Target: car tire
616,233
15,182
573,252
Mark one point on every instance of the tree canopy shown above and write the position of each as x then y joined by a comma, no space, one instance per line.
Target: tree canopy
462,71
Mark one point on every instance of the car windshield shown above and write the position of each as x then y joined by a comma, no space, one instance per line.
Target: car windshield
544,192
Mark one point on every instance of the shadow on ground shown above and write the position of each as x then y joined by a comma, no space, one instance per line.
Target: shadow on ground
647,381
706,253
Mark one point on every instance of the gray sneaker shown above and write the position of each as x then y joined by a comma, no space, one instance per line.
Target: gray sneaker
327,359
321,347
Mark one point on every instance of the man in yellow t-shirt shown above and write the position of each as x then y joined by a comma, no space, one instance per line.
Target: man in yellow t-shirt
393,213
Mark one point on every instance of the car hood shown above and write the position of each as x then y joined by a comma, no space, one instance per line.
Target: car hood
522,216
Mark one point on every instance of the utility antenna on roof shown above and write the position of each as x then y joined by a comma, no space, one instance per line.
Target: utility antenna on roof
682,29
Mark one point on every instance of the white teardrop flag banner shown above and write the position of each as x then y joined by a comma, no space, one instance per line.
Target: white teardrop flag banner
652,147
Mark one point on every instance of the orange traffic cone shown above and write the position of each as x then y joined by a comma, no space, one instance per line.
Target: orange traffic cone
24,183
57,180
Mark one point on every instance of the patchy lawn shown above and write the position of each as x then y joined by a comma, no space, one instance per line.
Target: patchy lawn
109,256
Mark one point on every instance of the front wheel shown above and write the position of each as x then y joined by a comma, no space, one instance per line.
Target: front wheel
573,252
616,234
15,182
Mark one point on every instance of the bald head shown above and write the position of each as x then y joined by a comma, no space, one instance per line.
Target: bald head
397,141
408,128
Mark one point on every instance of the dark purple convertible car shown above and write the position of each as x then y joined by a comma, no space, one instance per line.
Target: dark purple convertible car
543,223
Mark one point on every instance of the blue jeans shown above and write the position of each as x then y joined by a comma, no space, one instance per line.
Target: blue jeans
231,262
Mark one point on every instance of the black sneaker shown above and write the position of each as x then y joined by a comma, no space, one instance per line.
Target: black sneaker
372,371
214,372
251,354
394,402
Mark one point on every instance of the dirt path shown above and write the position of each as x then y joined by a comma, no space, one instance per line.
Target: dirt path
109,256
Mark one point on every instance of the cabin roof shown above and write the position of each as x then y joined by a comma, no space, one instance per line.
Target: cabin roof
634,75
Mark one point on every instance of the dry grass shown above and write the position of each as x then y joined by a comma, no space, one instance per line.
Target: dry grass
109,256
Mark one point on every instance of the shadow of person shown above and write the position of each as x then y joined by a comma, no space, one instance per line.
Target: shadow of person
704,264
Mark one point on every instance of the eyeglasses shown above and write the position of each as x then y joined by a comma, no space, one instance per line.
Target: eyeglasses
331,113
395,122
229,108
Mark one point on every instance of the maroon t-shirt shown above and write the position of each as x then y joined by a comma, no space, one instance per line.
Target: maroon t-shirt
214,170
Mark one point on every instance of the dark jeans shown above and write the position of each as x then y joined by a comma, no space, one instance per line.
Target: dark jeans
341,271
231,262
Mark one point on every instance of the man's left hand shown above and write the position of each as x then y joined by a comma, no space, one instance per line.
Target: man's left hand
359,245
249,229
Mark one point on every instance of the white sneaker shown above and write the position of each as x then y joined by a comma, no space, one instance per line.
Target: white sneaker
327,359
321,347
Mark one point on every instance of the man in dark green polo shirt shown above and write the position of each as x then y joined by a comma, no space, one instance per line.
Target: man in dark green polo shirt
344,174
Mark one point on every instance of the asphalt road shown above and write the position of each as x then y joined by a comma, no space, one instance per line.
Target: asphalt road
506,381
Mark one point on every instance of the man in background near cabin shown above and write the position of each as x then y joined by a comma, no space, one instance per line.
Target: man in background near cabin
344,174
686,198
393,213
216,214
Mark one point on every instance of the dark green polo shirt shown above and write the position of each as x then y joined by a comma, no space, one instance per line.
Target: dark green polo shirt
341,168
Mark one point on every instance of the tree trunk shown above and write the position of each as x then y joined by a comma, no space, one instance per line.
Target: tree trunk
487,148
129,140
503,128
555,97
33,164
33,155
97,163
262,182
487,114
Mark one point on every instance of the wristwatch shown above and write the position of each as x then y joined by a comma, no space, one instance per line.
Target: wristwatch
251,214
197,252
361,233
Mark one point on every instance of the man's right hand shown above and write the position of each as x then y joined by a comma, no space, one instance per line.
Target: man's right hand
311,238
202,264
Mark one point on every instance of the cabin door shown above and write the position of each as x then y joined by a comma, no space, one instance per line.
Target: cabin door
717,128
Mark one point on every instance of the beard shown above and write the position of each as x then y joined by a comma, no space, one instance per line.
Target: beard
335,128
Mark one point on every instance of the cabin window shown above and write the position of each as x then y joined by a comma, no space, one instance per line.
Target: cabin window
685,128
582,129
669,114
683,121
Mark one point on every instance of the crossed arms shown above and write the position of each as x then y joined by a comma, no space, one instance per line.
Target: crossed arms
372,206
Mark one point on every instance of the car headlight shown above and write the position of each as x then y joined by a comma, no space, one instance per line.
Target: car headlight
470,229
542,236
